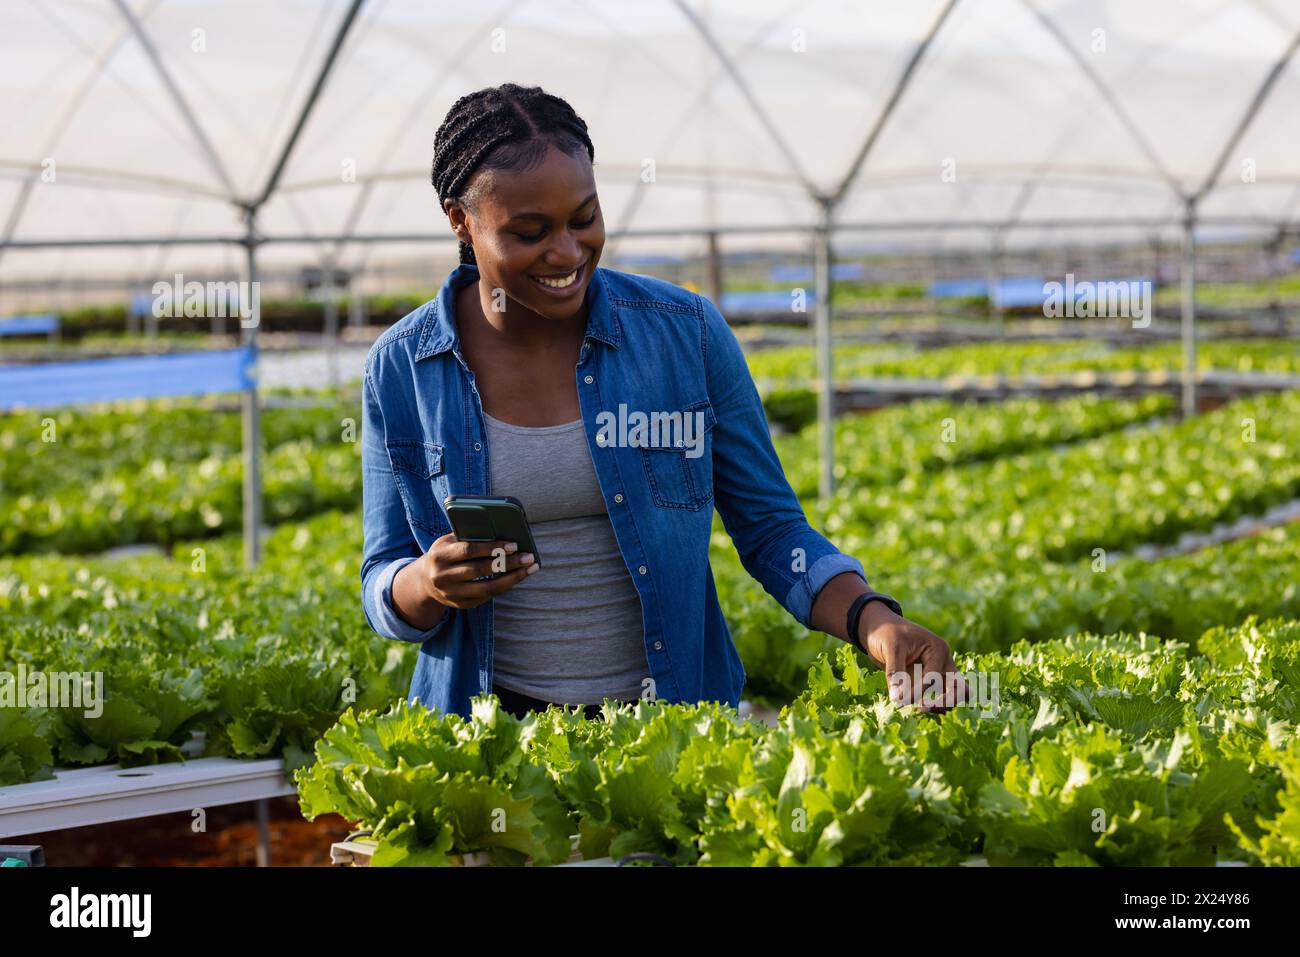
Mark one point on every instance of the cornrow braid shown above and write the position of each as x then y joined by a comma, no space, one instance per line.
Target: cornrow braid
507,127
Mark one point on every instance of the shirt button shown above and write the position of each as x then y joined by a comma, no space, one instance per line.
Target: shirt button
478,447
643,569
588,379
659,646
618,498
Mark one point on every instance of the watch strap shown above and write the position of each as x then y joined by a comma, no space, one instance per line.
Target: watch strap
856,609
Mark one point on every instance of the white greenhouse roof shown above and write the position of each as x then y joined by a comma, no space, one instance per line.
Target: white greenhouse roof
143,121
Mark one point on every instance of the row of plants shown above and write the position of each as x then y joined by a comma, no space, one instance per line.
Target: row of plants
797,364
1259,292
41,445
157,616
303,313
978,608
76,480
87,479
879,448
1032,546
162,503
1117,491
261,661
1122,750
258,662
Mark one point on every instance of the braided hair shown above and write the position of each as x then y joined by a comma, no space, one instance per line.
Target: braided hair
506,127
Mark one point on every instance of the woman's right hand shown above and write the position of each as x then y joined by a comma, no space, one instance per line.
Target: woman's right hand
447,571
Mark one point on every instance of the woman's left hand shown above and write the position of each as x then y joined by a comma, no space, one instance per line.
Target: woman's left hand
917,663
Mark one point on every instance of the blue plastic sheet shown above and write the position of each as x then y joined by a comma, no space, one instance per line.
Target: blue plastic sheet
53,384
776,301
958,288
1017,292
1032,292
29,325
142,304
839,271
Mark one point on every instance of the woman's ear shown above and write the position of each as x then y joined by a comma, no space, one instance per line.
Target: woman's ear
457,215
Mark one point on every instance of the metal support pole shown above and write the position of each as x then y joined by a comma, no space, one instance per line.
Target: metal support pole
1189,311
331,305
1155,275
263,833
936,273
356,306
1276,270
252,424
715,271
825,357
994,276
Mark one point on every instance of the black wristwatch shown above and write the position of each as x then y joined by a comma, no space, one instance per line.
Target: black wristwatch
855,613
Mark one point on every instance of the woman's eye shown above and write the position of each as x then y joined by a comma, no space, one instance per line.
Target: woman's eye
536,236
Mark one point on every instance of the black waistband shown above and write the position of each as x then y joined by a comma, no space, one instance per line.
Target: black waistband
519,704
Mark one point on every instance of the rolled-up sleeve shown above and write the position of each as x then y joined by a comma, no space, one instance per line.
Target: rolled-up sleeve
383,616
389,545
759,509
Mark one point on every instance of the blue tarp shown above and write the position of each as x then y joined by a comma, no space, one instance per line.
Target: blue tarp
29,325
1016,292
776,301
839,271
1030,292
958,288
53,384
1019,291
142,304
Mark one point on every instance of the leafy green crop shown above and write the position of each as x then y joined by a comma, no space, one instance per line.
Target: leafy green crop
261,662
880,448
431,788
792,365
1122,750
986,551
76,480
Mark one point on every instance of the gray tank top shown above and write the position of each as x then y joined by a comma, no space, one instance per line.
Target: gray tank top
571,633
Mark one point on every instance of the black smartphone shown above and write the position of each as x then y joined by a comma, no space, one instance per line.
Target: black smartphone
485,518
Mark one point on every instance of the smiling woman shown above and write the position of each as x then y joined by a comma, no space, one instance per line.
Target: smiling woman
499,387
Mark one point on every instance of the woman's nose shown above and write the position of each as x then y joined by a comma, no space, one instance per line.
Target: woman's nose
567,251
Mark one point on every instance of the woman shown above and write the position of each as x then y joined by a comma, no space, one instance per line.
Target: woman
520,379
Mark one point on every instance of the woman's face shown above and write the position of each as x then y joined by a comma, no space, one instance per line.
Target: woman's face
540,224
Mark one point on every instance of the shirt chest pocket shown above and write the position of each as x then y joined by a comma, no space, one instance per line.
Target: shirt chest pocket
421,481
679,467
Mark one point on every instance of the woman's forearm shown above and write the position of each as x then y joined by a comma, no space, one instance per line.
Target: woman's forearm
411,600
830,610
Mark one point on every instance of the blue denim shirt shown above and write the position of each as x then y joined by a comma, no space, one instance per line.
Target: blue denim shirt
651,346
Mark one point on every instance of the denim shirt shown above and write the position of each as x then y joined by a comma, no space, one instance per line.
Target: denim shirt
652,347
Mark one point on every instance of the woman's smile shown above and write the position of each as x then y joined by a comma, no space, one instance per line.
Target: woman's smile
564,285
